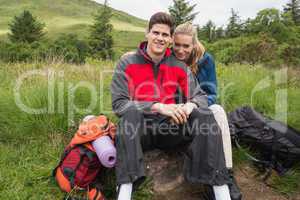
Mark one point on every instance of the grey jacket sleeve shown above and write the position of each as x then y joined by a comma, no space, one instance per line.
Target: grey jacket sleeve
121,100
195,93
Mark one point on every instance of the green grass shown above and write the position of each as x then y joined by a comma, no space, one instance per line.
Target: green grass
125,41
237,84
31,144
289,182
26,165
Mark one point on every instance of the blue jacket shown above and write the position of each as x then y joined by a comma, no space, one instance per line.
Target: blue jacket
206,76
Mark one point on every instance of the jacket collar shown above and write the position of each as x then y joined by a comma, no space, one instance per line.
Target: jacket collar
143,51
203,59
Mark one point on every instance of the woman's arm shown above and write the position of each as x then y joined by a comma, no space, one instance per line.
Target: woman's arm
207,78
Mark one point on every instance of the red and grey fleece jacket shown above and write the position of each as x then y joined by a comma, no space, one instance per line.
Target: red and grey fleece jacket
139,82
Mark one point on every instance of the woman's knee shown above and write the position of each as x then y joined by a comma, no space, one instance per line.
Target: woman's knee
217,109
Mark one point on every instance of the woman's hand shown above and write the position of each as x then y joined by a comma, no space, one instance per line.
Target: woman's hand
175,111
188,108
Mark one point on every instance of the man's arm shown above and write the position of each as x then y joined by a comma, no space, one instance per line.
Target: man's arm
121,100
195,96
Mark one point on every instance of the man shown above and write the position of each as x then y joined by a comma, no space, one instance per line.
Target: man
144,93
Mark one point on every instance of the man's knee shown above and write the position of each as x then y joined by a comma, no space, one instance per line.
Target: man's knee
132,113
201,112
130,124
203,120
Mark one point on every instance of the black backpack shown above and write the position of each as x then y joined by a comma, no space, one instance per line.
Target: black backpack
277,145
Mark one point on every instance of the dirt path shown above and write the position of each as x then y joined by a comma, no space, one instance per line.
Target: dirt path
168,184
252,187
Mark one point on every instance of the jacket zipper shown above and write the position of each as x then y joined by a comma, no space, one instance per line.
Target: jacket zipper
155,68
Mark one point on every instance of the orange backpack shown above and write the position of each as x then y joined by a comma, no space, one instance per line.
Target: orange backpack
79,164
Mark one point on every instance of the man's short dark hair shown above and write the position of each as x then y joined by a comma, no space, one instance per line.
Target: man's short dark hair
162,18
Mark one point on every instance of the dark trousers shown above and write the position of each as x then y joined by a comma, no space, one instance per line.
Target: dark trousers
204,160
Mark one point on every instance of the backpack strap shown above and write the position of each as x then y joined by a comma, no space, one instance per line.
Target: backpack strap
107,123
63,156
265,164
71,173
95,193
280,168
250,157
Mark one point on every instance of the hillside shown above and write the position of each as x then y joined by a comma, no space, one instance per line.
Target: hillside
72,16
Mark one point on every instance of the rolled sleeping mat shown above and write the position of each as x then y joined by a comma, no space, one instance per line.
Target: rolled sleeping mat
105,151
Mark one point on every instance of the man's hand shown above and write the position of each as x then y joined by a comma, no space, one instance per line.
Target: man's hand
175,111
188,108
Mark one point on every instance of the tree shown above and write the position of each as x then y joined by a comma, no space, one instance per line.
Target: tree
25,28
247,26
181,11
208,31
294,8
269,21
101,40
287,19
267,17
70,48
199,33
234,26
220,33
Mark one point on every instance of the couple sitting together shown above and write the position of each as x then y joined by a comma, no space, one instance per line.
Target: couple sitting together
165,97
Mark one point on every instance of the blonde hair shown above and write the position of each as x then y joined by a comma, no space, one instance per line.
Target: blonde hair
198,50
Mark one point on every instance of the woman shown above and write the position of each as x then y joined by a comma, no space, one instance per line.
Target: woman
188,49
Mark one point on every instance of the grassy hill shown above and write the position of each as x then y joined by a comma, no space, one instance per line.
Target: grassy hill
72,16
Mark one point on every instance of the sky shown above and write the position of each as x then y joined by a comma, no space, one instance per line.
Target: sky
216,10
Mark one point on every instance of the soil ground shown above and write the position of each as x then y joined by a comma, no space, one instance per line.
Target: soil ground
165,168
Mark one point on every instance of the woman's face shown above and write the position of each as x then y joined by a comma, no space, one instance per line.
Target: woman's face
183,46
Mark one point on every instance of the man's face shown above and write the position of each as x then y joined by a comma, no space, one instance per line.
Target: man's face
159,39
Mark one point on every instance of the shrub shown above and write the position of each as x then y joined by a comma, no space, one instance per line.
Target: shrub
70,49
67,47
